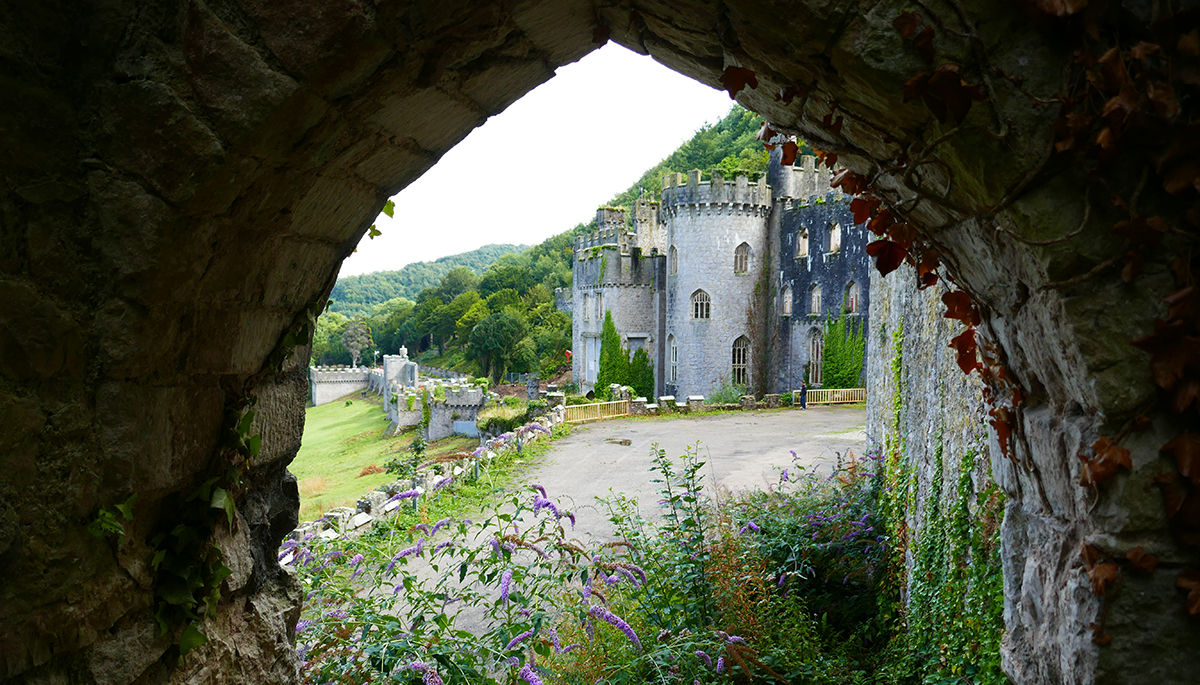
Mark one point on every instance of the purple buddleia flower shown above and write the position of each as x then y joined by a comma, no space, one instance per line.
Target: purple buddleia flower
751,525
442,545
720,664
303,626
495,547
442,483
526,673
570,515
615,621
518,639
704,657
336,613
437,526
505,583
415,666
782,579
736,640
432,677
541,490
407,494
423,527
512,661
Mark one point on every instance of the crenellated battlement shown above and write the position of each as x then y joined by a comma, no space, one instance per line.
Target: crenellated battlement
339,374
738,194
464,397
608,237
806,181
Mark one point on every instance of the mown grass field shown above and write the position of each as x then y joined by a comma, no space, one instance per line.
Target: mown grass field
340,441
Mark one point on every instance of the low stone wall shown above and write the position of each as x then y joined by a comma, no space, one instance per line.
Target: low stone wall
327,383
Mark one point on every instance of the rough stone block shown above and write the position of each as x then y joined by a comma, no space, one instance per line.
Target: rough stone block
773,400
359,520
748,402
695,402
637,406
667,402
556,399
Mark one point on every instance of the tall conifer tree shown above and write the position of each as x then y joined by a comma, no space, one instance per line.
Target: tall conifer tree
614,359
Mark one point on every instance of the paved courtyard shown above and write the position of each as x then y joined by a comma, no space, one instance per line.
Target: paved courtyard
741,451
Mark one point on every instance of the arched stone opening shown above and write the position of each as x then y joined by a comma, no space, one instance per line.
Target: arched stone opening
181,184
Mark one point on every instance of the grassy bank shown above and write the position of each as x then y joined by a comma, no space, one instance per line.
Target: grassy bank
342,442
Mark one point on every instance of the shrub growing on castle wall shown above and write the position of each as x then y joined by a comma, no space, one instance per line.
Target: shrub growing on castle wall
842,366
641,374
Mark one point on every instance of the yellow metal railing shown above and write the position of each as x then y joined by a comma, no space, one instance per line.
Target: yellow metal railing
839,396
597,410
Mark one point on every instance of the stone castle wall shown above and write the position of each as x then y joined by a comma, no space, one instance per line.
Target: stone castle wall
327,383
705,224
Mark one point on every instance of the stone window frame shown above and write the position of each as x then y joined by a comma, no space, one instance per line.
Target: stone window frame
587,307
853,298
673,352
740,367
741,258
835,237
701,305
785,302
802,244
673,261
816,355
814,301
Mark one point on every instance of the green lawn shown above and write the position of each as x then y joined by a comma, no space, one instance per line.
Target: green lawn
339,442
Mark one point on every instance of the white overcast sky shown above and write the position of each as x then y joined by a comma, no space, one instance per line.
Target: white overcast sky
544,164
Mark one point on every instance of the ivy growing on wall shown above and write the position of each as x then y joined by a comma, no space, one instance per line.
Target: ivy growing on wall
842,365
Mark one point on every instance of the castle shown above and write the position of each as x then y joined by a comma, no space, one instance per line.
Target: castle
723,281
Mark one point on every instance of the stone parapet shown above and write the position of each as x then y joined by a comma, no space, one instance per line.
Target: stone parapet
738,196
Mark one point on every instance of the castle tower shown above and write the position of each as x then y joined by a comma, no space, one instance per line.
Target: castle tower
716,244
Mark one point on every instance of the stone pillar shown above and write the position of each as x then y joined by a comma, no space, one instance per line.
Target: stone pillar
637,407
556,399
667,402
695,403
772,400
748,402
532,387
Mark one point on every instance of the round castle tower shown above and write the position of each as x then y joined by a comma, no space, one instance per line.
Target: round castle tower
716,241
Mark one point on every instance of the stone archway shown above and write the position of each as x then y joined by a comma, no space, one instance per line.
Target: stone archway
182,180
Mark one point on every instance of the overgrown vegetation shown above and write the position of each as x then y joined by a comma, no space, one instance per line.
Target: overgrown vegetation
842,364
799,584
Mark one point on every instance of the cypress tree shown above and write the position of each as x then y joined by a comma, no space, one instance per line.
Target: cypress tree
614,359
641,374
843,363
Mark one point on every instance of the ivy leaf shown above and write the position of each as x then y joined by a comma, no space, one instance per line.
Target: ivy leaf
964,344
126,509
734,79
863,207
1141,560
1109,459
907,23
888,255
372,232
960,306
254,444
1103,576
601,33
243,426
882,222
927,269
1185,448
1173,495
222,500
790,150
1171,351
850,182
190,639
1190,580
944,92
1002,423
789,93
1061,8
924,45
389,208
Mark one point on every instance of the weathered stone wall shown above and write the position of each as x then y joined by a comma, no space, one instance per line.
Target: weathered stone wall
181,181
327,384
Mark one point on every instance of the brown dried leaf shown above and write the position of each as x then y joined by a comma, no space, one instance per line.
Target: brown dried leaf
790,150
863,207
1112,68
964,344
960,306
1061,8
888,255
1109,459
1172,493
907,23
1143,50
1186,392
924,44
1185,448
1103,577
1162,96
1141,560
1171,352
1189,43
734,79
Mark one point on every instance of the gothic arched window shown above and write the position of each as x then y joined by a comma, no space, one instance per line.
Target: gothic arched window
673,350
587,307
701,305
816,355
835,237
853,298
802,245
814,303
785,304
673,260
741,259
741,358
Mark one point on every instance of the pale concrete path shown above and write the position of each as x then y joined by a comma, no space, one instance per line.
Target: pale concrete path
742,450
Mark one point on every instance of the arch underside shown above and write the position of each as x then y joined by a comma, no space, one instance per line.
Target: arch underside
183,181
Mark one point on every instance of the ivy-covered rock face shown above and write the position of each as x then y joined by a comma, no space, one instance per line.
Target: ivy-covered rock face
182,181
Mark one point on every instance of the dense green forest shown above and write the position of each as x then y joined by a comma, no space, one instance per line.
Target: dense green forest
356,295
496,313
